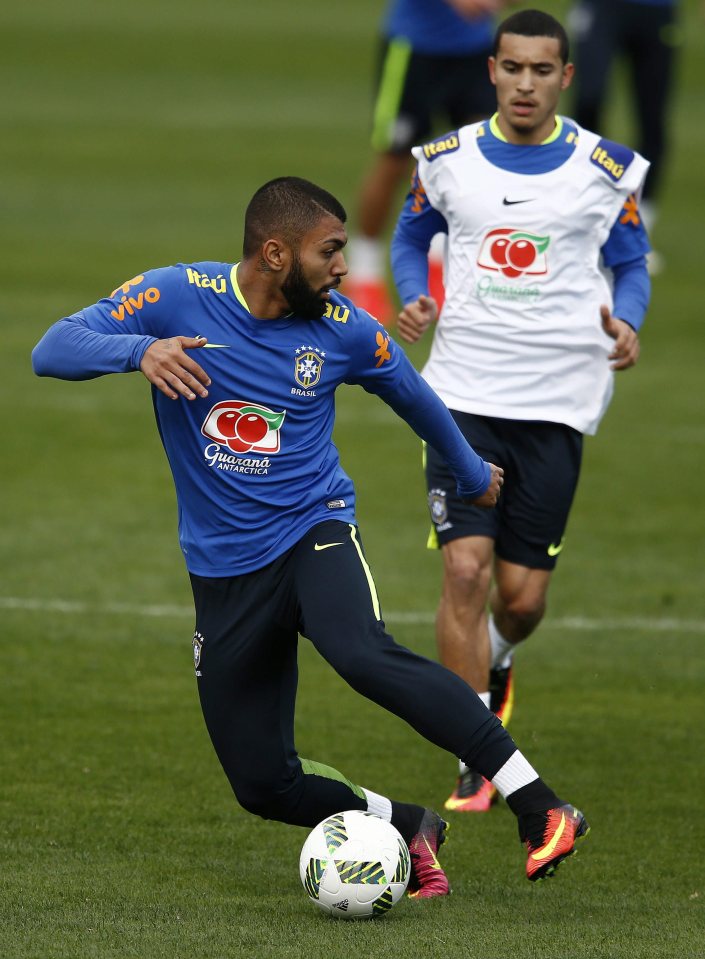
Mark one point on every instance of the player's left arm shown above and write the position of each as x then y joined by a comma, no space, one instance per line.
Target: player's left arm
380,366
624,253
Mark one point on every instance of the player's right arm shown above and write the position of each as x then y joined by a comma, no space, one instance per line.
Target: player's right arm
121,334
418,223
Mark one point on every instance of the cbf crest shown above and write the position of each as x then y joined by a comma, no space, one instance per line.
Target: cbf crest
438,507
197,649
308,363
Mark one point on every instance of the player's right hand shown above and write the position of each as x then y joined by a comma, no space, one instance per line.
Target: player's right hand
168,367
416,317
491,495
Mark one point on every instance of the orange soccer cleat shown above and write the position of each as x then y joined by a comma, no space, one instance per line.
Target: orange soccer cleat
472,793
427,877
550,838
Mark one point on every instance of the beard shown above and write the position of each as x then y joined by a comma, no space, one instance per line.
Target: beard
305,302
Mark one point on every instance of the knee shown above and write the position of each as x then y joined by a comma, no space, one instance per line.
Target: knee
465,573
266,798
519,614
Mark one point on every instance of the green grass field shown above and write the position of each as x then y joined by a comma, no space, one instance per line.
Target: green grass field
133,135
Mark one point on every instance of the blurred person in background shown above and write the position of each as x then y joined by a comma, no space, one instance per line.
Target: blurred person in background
645,34
432,67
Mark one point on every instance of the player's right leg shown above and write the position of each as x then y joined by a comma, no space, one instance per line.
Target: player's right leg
245,646
463,645
465,535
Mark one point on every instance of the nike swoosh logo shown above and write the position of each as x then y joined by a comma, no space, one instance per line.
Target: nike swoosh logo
212,346
554,550
434,862
326,546
549,848
507,202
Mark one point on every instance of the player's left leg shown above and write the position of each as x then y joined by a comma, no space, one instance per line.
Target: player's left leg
341,616
545,463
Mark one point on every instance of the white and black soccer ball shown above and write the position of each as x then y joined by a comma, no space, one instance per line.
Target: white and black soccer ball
355,865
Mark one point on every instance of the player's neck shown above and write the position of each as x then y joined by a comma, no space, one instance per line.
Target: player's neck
545,133
256,293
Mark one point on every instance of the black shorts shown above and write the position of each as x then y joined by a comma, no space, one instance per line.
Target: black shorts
541,463
417,92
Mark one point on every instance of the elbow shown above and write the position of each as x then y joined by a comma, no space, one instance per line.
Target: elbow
40,365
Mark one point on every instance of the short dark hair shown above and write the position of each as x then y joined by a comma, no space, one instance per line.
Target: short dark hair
287,207
534,23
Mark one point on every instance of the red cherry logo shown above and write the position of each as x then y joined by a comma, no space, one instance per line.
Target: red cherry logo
241,432
498,250
521,254
252,428
226,424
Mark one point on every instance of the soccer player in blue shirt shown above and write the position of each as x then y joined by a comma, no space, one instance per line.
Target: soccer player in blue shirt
267,516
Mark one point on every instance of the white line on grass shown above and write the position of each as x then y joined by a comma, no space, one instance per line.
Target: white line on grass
163,610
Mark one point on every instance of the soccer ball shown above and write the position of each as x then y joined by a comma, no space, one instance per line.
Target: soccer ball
355,865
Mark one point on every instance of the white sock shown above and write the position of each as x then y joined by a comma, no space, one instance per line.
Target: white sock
366,258
485,697
515,773
378,805
502,651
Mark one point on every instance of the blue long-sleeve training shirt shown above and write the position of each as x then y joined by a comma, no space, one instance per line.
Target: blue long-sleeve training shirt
254,463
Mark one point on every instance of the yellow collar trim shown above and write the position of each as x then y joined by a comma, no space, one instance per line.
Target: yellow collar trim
236,287
557,130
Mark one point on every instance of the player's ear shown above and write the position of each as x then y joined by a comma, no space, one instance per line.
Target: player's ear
567,78
276,255
491,63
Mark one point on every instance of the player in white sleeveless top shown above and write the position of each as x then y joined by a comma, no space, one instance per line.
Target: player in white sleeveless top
546,288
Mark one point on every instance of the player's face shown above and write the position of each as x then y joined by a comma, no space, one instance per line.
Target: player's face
529,76
317,267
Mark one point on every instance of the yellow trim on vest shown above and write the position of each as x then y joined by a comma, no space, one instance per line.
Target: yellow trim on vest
557,130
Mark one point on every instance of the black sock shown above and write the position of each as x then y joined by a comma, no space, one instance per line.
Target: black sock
534,797
406,817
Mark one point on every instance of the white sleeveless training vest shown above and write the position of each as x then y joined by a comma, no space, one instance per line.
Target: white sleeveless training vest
520,334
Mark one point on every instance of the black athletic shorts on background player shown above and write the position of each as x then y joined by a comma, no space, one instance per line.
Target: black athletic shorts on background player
418,93
541,463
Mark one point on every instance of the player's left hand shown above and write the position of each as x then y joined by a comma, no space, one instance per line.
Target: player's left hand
489,498
626,342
